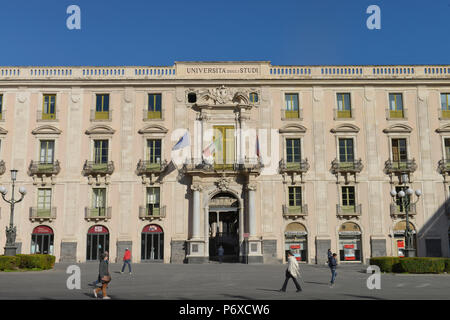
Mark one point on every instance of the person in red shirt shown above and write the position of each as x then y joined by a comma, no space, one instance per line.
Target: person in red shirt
126,260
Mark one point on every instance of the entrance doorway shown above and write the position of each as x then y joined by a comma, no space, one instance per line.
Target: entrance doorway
400,239
224,227
42,240
97,242
350,247
152,243
295,240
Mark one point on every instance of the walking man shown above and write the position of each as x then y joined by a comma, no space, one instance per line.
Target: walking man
292,271
220,252
96,282
105,277
333,264
126,260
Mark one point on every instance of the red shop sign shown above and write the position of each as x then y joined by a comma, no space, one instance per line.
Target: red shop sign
349,246
152,228
295,246
400,244
98,229
42,230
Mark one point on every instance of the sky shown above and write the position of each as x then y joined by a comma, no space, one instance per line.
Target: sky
285,32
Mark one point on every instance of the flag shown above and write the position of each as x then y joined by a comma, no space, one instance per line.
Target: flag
183,142
209,150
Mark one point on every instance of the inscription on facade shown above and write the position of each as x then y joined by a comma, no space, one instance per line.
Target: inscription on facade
222,70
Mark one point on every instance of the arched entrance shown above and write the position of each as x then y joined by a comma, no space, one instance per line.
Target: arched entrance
224,226
42,240
399,237
152,243
295,240
97,242
350,246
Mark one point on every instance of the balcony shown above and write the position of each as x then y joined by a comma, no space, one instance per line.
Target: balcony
41,116
101,115
346,167
92,168
149,167
2,167
149,213
247,166
399,211
398,167
151,115
41,168
396,114
295,212
42,214
348,211
101,213
444,166
292,114
444,114
294,167
342,114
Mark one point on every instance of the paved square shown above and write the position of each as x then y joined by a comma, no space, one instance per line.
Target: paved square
222,282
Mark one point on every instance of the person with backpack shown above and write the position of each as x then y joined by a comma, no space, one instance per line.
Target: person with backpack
126,260
292,271
103,274
332,263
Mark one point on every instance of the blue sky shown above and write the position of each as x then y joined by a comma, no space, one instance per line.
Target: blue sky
286,32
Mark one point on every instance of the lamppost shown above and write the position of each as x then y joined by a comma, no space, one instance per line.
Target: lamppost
406,203
10,247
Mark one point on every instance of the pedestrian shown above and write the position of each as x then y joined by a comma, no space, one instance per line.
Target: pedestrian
96,282
126,260
292,271
333,264
220,252
105,277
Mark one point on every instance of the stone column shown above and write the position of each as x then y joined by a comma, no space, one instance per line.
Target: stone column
197,244
196,212
241,138
254,243
251,211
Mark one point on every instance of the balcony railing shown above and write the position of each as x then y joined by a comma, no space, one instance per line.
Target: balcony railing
151,115
396,114
147,212
444,166
351,167
293,212
406,166
292,114
101,115
345,211
147,167
47,168
444,114
342,114
397,210
42,214
93,168
100,213
2,167
246,166
300,166
41,116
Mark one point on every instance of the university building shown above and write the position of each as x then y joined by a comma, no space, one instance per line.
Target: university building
174,162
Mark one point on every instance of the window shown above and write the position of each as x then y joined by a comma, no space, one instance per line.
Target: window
100,151
447,148
153,201
293,150
346,152
222,147
99,201
154,150
47,152
154,106
344,105
192,98
253,97
398,200
48,107
399,152
445,105
348,197
295,197
102,107
291,105
44,202
395,105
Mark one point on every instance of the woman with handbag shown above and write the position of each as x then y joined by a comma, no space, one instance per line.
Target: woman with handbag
104,276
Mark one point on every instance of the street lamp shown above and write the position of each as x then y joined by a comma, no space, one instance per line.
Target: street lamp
404,199
10,247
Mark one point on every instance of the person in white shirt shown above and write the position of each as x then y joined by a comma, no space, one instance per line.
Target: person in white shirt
292,271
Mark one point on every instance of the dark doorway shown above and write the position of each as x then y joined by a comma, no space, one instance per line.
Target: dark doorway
152,243
97,242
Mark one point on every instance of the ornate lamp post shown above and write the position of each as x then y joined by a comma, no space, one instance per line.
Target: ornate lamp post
10,247
406,203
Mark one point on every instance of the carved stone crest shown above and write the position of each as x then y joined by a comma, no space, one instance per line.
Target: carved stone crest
223,183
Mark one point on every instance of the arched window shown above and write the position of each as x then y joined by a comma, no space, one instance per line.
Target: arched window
253,97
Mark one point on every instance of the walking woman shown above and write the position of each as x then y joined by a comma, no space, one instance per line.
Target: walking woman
292,271
103,274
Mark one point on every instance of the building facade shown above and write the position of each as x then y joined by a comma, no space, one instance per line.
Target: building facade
267,159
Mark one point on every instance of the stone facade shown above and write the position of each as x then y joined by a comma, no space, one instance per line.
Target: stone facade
257,205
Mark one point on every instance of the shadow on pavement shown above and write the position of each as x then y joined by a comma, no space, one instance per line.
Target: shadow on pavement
364,297
238,297
272,290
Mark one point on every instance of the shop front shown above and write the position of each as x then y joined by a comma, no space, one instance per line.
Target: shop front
152,243
97,242
296,241
399,238
42,240
350,246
